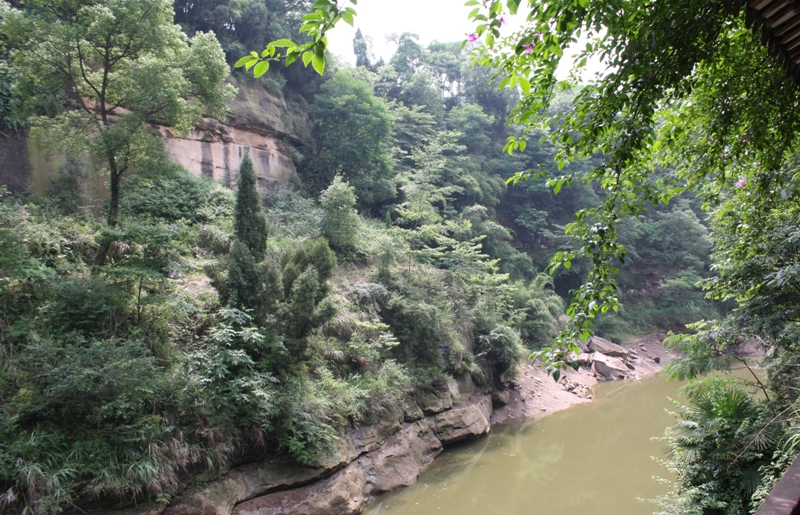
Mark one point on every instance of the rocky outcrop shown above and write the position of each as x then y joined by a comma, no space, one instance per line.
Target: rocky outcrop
15,166
340,494
368,461
272,129
266,125
396,463
609,367
597,344
215,150
500,398
400,459
463,423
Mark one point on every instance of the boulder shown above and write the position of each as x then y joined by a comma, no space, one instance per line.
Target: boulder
500,398
609,367
401,458
585,358
433,403
470,421
341,494
368,438
411,411
465,383
597,344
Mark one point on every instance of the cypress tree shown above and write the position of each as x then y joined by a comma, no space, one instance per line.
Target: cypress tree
339,219
243,279
249,225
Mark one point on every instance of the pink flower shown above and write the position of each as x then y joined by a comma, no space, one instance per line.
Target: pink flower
503,20
472,37
529,47
740,183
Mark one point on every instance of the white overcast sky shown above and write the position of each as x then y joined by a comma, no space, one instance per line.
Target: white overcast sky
433,20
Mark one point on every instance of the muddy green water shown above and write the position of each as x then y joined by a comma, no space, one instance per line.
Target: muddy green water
592,459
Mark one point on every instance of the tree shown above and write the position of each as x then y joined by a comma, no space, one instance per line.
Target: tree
352,129
659,106
123,64
362,51
339,219
249,224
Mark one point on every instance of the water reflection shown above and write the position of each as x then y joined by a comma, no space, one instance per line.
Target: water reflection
592,459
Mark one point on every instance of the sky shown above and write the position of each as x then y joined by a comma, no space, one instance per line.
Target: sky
433,20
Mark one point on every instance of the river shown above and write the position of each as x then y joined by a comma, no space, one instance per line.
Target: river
591,459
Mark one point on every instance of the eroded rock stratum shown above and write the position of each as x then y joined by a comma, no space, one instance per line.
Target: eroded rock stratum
369,461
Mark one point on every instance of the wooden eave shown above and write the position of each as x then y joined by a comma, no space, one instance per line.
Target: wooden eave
779,23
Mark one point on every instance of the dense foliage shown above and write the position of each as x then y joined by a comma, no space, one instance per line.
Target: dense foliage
689,102
222,327
101,56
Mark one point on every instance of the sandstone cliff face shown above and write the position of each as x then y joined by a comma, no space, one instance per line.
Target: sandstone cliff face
269,127
273,130
15,168
216,149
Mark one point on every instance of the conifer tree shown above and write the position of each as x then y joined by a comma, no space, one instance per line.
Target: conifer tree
250,226
243,283
339,219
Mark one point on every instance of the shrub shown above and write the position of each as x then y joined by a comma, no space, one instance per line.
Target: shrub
65,191
90,420
314,253
214,239
501,349
169,192
339,219
90,306
304,309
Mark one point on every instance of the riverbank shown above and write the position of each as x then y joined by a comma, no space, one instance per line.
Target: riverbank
381,458
534,394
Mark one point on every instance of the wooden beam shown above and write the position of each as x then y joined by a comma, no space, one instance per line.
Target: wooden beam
770,13
788,13
788,26
791,36
760,5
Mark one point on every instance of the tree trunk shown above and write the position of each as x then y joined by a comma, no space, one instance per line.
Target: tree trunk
113,210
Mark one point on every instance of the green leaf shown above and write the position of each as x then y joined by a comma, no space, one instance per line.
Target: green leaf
307,55
525,85
347,17
291,57
244,60
284,43
261,68
318,62
308,27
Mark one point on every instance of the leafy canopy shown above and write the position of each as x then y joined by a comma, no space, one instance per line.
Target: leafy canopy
121,64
